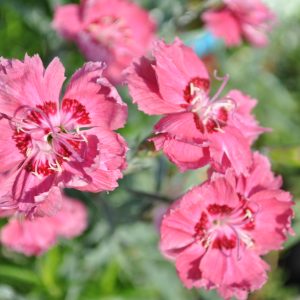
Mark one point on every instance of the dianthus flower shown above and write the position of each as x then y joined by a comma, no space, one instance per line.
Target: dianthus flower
217,232
46,144
197,129
238,19
34,237
113,31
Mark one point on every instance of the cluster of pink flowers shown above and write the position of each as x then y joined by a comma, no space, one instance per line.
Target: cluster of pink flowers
235,20
112,31
217,232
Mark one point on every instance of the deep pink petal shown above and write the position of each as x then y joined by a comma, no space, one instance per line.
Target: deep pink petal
232,144
181,126
187,265
225,25
176,65
185,155
143,88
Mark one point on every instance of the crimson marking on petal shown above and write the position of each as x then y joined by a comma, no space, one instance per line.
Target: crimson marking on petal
49,108
40,168
215,209
77,110
222,115
211,126
198,123
250,225
224,242
200,83
200,227
22,140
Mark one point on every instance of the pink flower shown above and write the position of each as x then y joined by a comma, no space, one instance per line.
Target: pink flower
46,144
113,31
239,19
72,220
34,237
217,232
196,129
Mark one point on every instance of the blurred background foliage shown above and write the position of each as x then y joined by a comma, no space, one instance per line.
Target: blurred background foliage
117,258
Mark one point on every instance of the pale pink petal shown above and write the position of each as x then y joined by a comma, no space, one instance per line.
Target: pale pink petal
242,117
49,203
261,177
72,219
27,83
67,20
243,275
177,229
53,80
255,36
29,237
8,151
99,97
273,221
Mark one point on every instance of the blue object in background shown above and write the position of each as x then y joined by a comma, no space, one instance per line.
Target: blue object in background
203,43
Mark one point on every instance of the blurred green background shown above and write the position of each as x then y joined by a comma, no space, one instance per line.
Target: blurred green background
117,258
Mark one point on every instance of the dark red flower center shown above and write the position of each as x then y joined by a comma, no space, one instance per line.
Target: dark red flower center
223,226
47,136
210,115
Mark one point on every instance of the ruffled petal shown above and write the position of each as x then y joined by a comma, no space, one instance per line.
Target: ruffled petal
185,155
176,65
225,25
98,96
143,88
273,220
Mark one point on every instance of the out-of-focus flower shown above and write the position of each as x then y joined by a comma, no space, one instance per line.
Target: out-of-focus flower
196,129
217,232
34,237
238,19
113,31
45,144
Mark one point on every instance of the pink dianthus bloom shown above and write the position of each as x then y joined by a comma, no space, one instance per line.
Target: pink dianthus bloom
217,232
113,31
196,129
237,19
34,237
46,144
